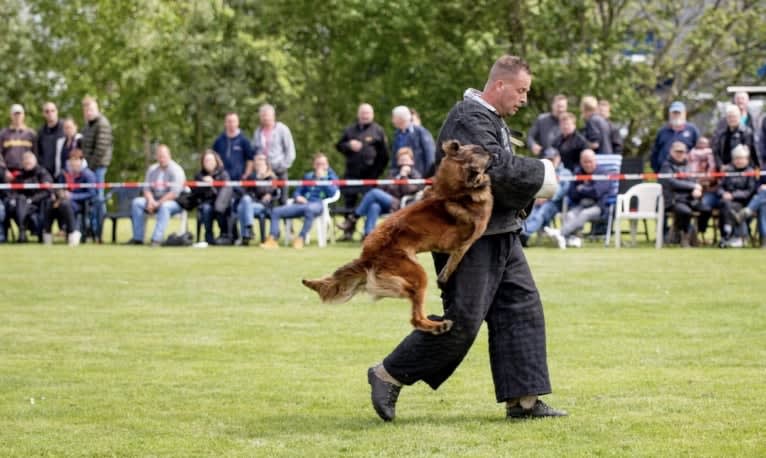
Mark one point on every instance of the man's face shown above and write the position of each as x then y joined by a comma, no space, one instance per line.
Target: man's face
559,107
50,113
231,124
588,163
740,162
677,118
89,111
267,118
320,166
29,161
513,93
741,100
678,153
732,119
567,127
365,115
17,118
399,122
163,156
604,110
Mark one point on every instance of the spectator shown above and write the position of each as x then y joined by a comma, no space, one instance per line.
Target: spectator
546,126
417,138
735,193
742,101
677,129
415,117
702,160
569,142
763,140
366,151
733,135
682,196
387,198
596,131
605,110
77,172
257,200
166,179
71,141
234,149
274,140
14,142
97,144
25,204
588,200
212,201
308,203
48,138
757,205
545,210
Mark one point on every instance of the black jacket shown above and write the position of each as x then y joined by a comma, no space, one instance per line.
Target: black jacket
676,190
220,197
372,159
598,130
742,188
515,179
47,137
569,149
729,139
34,176
258,192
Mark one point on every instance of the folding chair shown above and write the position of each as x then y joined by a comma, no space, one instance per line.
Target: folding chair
649,204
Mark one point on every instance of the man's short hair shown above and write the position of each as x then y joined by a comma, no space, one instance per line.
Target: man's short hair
603,103
679,145
266,107
402,112
740,151
567,116
733,109
87,100
508,66
589,103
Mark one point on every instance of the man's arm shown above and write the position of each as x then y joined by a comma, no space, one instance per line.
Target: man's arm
593,134
533,135
289,146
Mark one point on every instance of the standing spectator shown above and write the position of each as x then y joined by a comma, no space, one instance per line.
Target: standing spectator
257,200
546,209
588,200
366,151
546,126
605,110
742,101
308,203
166,180
596,130
415,117
212,201
48,138
387,198
677,129
97,148
569,142
733,135
274,140
735,193
682,196
417,138
24,204
74,173
234,149
71,141
14,142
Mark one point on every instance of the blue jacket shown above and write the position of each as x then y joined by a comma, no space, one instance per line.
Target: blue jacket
235,152
422,143
80,194
666,136
596,191
317,193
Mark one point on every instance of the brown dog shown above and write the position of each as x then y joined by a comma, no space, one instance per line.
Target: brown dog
451,216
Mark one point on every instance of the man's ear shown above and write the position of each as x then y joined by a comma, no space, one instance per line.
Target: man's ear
451,147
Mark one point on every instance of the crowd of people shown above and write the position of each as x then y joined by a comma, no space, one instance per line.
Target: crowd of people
59,152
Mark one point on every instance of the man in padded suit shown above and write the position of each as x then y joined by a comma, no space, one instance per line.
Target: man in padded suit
493,282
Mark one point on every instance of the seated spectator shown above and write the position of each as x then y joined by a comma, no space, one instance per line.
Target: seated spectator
75,200
702,160
386,198
166,180
307,203
757,205
25,204
212,202
546,209
734,135
735,193
569,143
257,200
682,196
588,201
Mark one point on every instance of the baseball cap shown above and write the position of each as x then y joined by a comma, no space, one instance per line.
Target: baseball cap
677,106
16,108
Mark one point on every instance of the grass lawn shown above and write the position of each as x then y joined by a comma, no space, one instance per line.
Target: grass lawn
133,351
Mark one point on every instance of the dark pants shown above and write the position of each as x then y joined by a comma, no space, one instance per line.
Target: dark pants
64,213
493,283
684,210
283,194
24,213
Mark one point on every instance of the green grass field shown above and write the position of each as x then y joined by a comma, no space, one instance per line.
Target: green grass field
133,351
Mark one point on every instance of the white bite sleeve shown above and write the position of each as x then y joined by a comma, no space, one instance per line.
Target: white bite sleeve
550,182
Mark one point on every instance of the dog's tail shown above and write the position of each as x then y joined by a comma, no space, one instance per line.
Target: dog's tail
343,284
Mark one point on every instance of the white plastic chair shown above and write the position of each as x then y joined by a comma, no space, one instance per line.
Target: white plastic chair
650,205
323,223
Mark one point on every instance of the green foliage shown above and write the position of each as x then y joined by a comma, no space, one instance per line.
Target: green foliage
168,70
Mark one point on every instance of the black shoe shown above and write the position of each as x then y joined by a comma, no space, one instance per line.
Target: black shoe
384,395
539,410
224,241
347,237
134,242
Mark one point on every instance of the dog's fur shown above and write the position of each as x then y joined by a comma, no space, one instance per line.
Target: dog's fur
452,215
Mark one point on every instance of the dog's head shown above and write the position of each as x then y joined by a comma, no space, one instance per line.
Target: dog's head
465,165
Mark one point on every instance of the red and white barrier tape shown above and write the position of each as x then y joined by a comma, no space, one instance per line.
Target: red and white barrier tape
366,182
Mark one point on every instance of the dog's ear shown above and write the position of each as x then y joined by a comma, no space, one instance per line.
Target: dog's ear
451,147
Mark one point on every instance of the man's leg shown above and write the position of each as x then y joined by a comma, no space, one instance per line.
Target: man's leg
137,217
245,214
99,210
310,211
2,221
166,210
